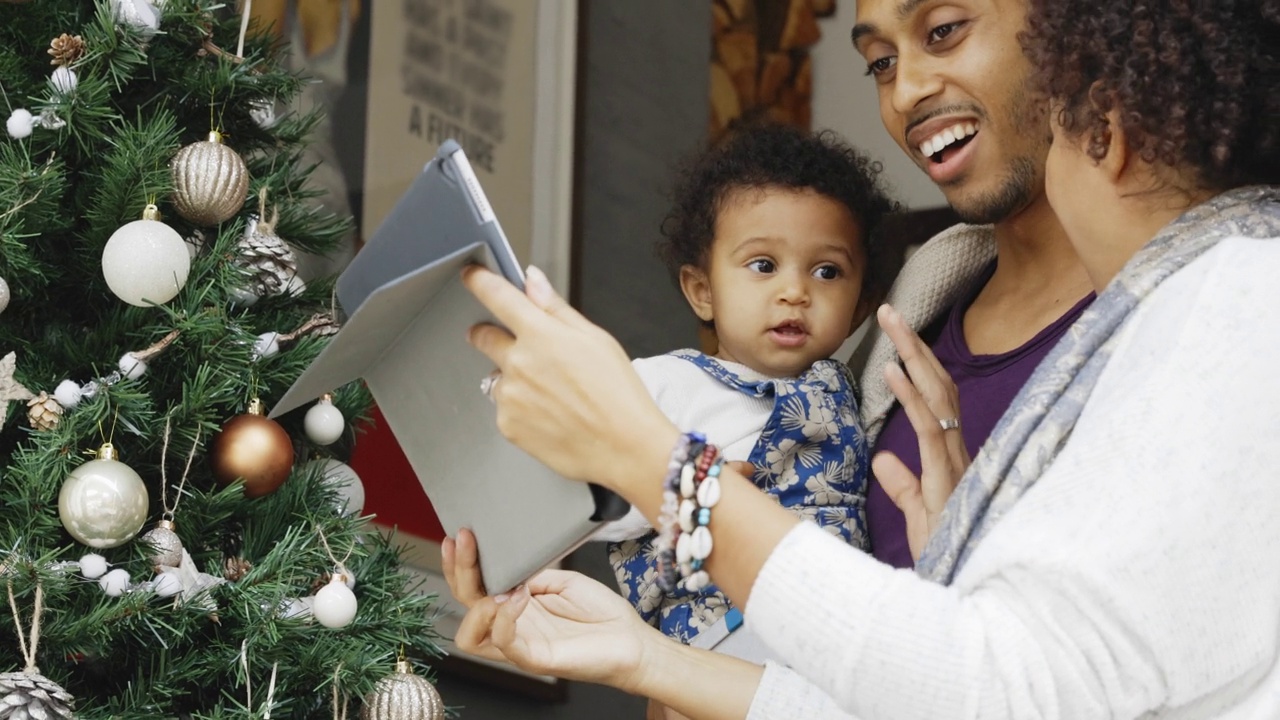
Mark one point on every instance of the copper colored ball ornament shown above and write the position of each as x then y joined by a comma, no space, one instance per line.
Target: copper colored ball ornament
210,181
255,449
403,696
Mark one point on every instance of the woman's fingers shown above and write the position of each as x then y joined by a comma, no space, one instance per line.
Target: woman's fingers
493,341
903,488
934,453
538,287
473,633
510,306
461,564
927,374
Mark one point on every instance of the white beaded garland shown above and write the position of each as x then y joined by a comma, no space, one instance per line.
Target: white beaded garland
20,124
167,584
266,345
324,422
335,604
115,583
68,394
131,367
93,566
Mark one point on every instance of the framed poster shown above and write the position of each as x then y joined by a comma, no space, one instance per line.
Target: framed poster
498,77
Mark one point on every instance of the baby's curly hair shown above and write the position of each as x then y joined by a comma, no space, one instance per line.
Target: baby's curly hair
1195,80
761,155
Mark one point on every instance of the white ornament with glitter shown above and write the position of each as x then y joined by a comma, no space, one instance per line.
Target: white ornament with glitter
64,80
68,394
115,583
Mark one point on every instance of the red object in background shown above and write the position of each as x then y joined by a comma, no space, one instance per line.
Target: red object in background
391,489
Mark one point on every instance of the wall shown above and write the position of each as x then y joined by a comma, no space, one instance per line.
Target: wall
844,100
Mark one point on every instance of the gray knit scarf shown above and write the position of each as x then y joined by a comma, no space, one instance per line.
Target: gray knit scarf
1039,422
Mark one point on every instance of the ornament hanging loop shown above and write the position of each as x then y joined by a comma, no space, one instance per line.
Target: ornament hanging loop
28,648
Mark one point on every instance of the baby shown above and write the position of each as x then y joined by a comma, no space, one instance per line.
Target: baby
768,240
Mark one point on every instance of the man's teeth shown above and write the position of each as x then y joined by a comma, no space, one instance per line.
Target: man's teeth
953,134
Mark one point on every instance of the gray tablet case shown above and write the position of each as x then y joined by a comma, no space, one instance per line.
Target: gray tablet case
408,316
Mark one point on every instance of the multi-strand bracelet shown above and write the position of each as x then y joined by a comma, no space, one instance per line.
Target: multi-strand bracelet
689,491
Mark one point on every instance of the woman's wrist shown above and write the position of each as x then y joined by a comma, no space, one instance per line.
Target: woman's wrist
638,474
699,684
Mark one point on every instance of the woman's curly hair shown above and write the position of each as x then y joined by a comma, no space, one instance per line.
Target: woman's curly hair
760,155
1195,81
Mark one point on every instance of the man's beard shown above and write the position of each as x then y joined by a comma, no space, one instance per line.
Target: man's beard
1014,193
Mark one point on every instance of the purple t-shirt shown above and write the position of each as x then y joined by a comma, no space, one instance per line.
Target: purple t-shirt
987,386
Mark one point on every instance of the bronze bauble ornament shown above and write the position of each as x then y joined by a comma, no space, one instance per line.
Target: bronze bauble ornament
403,696
210,181
255,449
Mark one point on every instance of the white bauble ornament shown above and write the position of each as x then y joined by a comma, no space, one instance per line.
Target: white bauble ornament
403,696
146,262
210,181
335,604
64,80
68,394
324,422
115,583
131,367
266,345
298,608
168,583
4,295
345,480
20,124
103,503
138,13
93,566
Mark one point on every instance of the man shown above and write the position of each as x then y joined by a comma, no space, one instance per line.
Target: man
952,84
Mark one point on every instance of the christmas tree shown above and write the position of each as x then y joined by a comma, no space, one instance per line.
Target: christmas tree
202,560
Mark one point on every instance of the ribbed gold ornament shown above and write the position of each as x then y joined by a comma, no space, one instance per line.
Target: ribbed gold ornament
210,181
403,696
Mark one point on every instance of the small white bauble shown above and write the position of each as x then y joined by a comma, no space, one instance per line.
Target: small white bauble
335,604
298,608
138,13
146,262
347,483
168,584
64,80
242,297
68,394
324,422
103,503
20,124
115,583
131,367
4,295
266,345
93,566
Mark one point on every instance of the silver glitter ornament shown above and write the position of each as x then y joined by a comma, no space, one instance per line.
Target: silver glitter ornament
403,696
32,695
166,546
210,181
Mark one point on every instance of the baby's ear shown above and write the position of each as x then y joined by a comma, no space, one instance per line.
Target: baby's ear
696,287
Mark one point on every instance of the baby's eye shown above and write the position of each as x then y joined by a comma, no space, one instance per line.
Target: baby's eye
762,266
827,272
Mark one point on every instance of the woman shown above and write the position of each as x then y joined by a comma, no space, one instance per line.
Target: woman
1095,560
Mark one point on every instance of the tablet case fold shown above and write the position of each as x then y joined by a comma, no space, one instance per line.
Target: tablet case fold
406,337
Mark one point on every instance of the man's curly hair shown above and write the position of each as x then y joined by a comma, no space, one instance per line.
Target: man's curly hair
1195,80
760,156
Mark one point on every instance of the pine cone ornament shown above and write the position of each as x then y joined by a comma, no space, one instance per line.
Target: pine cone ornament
234,568
66,49
31,695
44,412
268,259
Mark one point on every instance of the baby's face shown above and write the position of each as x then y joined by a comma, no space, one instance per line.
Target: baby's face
783,280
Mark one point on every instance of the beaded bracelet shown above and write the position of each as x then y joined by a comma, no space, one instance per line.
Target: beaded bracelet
690,446
695,544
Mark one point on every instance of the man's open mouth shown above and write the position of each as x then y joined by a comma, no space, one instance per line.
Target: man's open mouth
946,143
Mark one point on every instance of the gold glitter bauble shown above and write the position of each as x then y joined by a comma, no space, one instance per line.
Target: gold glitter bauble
210,181
403,696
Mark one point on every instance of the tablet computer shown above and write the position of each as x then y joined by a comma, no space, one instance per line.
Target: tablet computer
405,335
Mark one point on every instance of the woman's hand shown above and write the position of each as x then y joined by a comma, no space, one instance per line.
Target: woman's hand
559,623
928,396
567,394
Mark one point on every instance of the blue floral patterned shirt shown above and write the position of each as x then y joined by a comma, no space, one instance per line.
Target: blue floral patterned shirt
811,456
